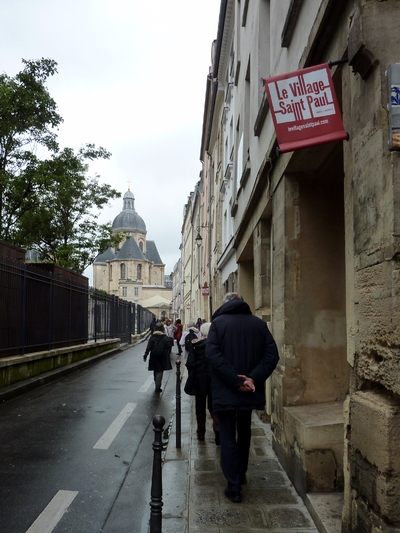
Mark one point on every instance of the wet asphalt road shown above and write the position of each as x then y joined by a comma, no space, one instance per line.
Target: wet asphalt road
83,446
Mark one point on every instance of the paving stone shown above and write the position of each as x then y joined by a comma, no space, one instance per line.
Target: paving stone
257,519
269,496
205,497
235,530
205,464
266,479
203,451
270,465
173,525
200,529
219,517
287,518
210,478
259,451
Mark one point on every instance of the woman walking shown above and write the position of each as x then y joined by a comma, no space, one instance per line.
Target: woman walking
178,334
198,383
159,347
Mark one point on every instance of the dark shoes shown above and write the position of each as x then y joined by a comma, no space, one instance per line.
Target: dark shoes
235,497
217,439
158,390
200,436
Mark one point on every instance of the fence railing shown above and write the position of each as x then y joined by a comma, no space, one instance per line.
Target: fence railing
111,317
43,309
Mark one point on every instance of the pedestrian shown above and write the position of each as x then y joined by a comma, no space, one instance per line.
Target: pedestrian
199,323
159,347
170,328
242,354
178,334
198,383
190,333
152,324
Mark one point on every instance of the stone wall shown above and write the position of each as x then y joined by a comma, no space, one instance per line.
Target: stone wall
372,482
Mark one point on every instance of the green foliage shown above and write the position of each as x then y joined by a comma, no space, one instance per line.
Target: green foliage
50,205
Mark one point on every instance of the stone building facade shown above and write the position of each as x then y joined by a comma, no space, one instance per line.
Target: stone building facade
311,240
134,271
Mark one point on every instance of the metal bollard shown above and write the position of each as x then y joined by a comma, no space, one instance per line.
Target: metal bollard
156,483
178,404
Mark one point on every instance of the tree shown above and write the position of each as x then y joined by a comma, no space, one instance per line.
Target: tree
66,211
28,116
47,204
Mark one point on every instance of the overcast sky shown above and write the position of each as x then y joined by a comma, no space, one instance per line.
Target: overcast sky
131,78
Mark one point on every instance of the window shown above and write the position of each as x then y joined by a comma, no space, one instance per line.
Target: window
110,273
123,271
141,246
136,291
124,291
139,272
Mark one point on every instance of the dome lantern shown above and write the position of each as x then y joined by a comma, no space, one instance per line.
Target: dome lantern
129,220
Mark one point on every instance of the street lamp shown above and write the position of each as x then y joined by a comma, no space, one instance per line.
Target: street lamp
199,238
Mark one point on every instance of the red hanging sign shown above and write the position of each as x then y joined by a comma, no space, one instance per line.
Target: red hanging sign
304,108
205,290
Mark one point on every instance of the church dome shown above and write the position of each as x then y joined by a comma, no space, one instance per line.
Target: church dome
128,220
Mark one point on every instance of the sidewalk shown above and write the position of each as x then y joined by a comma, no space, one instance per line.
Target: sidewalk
270,502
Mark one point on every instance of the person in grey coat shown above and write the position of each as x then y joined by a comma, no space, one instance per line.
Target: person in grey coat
242,354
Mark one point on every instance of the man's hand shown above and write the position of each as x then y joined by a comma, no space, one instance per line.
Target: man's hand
247,385
144,358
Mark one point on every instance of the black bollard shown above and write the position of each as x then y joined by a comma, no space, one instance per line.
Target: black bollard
178,404
156,483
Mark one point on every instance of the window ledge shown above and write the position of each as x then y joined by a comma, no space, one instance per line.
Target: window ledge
290,22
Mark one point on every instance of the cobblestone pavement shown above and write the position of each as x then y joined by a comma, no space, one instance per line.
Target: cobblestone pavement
269,500
194,500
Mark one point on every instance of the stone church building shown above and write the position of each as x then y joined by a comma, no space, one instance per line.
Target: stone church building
134,271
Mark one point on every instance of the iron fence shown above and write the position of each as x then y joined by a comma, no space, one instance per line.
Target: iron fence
43,309
111,317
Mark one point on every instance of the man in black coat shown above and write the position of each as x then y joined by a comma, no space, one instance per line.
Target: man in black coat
242,354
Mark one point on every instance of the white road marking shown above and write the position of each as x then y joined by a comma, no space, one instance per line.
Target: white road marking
104,442
49,518
146,384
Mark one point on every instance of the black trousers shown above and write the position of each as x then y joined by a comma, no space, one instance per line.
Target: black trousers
204,402
235,433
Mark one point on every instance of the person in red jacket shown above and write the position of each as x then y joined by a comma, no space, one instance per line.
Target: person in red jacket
178,334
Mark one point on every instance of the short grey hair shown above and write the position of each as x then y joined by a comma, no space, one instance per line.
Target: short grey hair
204,328
231,296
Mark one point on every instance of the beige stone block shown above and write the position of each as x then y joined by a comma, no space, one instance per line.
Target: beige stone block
375,429
388,496
321,469
315,435
315,426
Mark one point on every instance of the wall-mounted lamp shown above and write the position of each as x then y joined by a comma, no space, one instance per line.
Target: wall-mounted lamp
199,238
202,226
